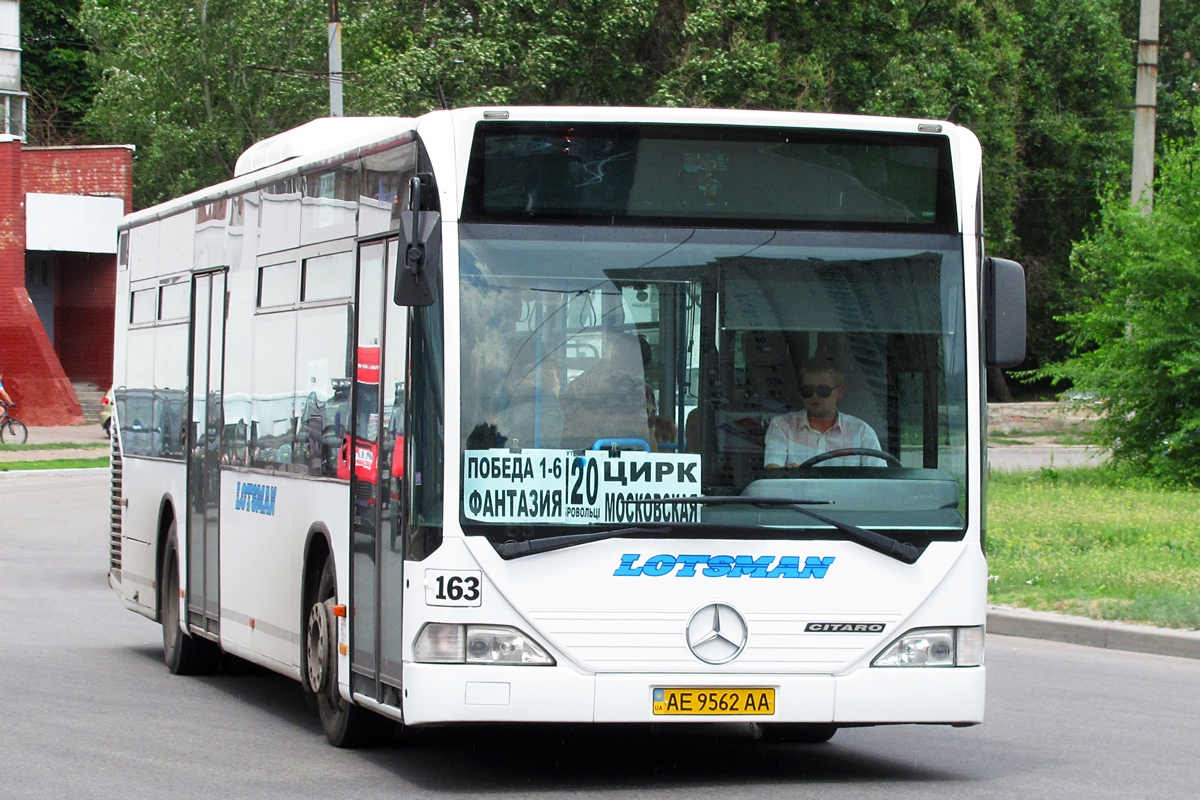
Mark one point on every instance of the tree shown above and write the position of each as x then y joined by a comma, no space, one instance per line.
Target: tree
1136,339
1074,137
1179,67
537,52
55,71
193,85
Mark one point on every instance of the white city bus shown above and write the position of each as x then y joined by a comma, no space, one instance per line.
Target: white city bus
463,418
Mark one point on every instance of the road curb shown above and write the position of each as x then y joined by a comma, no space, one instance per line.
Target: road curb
1092,632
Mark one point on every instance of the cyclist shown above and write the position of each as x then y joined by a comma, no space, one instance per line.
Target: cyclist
12,431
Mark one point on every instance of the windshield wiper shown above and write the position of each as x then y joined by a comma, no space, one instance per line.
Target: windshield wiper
901,551
514,549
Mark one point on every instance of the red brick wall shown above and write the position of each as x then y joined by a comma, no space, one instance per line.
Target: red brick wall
32,375
12,218
97,171
83,316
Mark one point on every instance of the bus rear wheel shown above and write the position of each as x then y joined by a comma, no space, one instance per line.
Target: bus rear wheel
345,724
184,654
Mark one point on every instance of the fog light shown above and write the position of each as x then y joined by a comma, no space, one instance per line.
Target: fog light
931,647
439,643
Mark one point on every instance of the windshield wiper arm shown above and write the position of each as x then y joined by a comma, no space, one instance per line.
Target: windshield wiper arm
514,549
901,551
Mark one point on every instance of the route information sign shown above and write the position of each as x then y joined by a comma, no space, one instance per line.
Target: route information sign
566,487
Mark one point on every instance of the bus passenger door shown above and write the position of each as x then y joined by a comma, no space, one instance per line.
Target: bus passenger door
205,370
375,455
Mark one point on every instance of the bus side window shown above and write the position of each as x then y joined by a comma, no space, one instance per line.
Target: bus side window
322,388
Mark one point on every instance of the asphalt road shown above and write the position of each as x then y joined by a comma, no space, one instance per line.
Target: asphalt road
90,711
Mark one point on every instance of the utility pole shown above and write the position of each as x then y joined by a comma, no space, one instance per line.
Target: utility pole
335,60
1144,110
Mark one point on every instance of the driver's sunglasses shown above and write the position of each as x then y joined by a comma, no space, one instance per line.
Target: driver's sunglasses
821,391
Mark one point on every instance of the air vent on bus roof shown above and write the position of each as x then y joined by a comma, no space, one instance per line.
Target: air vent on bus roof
311,137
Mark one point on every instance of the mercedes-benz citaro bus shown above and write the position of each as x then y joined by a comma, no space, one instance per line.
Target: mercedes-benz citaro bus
570,415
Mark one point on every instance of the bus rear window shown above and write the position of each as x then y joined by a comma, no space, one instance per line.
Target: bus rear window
673,174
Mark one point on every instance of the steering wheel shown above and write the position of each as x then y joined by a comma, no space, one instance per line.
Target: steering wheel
851,451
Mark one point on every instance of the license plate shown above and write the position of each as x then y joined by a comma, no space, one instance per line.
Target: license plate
714,701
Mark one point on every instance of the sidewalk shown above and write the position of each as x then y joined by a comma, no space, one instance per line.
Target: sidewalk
1036,427
72,434
1024,457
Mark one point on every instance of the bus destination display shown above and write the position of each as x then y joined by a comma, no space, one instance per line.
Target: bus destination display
563,487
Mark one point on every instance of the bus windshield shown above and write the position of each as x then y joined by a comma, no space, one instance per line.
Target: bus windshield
606,366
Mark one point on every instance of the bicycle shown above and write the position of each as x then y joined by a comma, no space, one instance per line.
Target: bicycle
12,430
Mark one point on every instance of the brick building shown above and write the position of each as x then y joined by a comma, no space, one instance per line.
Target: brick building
59,209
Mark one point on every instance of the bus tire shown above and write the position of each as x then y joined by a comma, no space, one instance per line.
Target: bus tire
345,724
184,654
797,732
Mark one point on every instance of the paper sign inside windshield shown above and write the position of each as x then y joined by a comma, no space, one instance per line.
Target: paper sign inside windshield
560,486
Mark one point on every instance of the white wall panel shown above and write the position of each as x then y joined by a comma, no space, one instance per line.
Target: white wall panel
72,223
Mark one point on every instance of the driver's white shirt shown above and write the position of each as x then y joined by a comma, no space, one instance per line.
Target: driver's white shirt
791,440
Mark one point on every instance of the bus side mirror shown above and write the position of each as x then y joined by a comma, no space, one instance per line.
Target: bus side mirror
412,279
1004,312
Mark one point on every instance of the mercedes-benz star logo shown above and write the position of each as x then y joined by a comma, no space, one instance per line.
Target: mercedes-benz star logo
716,633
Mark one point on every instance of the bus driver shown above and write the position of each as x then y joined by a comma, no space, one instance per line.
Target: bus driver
796,437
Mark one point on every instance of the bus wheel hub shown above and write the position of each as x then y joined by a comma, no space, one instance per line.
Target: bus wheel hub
317,647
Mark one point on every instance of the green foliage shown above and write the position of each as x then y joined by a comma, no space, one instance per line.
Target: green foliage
54,71
1179,66
1136,338
193,85
1075,136
505,52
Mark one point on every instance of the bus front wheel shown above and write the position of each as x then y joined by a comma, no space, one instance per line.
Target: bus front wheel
345,724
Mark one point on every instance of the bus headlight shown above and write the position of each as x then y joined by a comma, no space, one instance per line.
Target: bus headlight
934,647
448,643
499,645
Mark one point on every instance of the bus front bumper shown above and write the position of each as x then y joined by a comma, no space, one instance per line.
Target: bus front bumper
439,693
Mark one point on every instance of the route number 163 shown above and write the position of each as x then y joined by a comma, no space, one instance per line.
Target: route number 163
453,587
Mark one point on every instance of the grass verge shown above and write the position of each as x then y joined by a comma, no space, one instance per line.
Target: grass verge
55,463
1091,541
